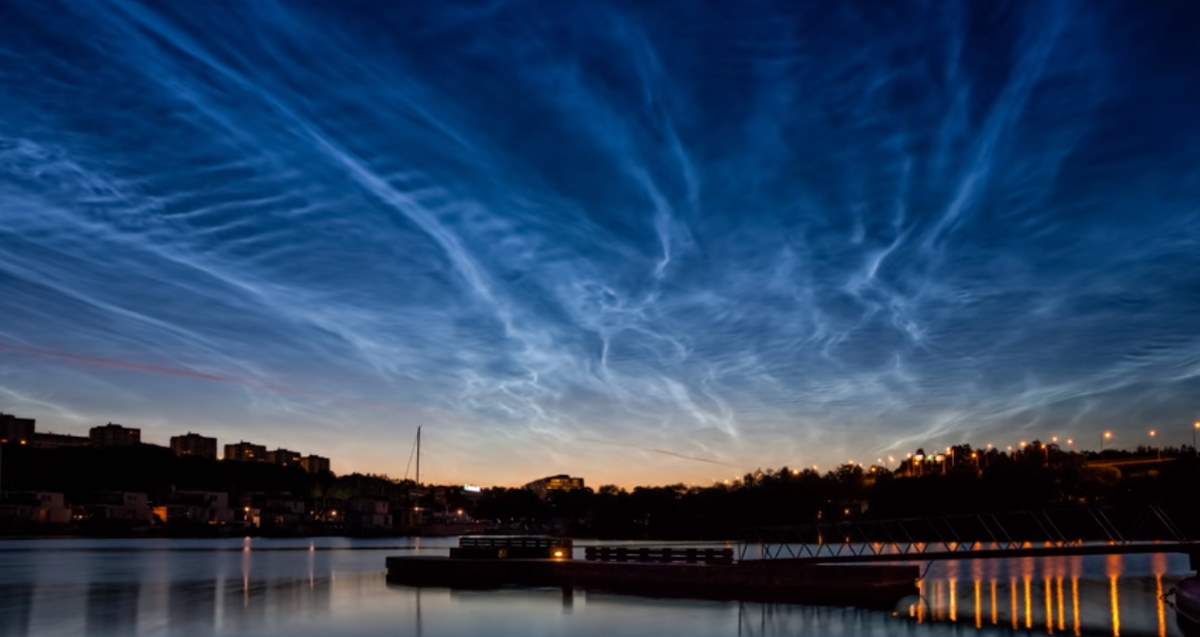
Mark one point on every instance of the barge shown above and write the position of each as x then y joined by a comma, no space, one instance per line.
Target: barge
491,562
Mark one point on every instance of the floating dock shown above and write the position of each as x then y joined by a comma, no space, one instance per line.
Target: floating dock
874,585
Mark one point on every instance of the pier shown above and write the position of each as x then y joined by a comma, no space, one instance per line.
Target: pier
658,571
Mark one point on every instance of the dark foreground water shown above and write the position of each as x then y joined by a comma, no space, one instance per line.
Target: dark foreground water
332,586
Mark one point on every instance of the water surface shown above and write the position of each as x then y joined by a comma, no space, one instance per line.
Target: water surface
336,586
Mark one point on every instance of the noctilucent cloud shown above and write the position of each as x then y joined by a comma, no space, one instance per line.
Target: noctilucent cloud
638,242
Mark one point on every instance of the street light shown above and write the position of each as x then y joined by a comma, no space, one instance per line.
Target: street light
1107,436
1195,428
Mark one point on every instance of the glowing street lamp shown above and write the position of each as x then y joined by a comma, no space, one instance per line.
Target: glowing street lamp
1195,428
1104,439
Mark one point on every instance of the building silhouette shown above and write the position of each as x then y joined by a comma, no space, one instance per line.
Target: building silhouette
114,435
283,457
314,464
16,430
51,440
194,445
246,452
561,482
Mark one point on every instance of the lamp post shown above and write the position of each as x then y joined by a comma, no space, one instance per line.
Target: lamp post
1195,428
1154,434
1105,438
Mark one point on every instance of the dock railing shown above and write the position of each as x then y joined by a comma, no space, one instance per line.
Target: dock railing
512,546
658,554
985,533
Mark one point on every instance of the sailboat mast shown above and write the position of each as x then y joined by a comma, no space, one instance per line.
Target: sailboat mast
418,455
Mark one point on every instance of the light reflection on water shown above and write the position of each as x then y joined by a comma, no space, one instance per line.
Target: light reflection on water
220,587
1113,595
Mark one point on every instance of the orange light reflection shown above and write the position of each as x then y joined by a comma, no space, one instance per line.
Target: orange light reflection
995,608
1075,604
953,600
920,601
978,604
1012,586
1162,605
1049,606
1115,600
1028,602
1062,608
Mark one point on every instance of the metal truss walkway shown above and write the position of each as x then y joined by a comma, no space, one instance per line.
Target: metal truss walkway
1065,532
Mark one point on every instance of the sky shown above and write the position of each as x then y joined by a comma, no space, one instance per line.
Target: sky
637,242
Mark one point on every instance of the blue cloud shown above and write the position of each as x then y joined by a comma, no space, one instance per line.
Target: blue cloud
629,241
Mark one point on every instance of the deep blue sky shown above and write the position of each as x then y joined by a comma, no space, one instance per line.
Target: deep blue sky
585,237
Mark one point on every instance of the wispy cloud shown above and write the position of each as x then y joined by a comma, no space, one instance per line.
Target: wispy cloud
751,239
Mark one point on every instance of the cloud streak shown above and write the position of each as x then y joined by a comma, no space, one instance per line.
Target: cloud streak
758,239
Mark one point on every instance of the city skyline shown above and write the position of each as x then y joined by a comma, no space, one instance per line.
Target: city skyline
622,242
185,445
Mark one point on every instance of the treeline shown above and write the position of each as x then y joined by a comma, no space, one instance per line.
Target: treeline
960,482
773,500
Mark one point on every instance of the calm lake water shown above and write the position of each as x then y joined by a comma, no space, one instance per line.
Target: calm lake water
333,586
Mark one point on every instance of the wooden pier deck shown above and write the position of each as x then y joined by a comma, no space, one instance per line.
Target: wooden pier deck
874,585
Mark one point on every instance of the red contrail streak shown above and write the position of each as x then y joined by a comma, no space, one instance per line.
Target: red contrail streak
145,368
664,452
